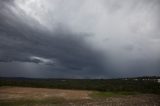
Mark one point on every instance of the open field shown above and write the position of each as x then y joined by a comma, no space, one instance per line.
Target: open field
141,84
142,91
26,96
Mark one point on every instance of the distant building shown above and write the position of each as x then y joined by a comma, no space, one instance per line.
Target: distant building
158,80
63,80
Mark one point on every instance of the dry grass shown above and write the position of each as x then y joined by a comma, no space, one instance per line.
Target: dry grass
23,96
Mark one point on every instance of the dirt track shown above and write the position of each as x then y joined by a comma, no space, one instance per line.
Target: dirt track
75,97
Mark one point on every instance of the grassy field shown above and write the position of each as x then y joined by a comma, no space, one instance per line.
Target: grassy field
25,96
142,84
143,91
113,94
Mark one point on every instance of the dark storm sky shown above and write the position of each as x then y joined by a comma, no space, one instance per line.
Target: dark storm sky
79,38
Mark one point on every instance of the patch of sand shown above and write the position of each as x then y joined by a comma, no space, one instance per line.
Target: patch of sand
41,93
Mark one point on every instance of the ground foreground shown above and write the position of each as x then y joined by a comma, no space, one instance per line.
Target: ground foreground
25,96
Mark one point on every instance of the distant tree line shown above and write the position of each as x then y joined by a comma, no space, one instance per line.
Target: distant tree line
114,85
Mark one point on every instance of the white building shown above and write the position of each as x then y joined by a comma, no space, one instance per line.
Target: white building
158,80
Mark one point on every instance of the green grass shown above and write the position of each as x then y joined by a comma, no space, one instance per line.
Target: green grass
112,94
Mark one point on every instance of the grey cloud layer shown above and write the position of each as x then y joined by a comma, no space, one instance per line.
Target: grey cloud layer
67,51
80,39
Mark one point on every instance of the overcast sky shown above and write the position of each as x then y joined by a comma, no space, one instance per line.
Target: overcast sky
79,38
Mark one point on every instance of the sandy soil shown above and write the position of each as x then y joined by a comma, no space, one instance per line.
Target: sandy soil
41,93
76,97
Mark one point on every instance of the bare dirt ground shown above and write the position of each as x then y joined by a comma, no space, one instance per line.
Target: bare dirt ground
21,96
41,93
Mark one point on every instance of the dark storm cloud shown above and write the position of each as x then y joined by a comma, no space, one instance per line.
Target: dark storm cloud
67,52
71,51
79,39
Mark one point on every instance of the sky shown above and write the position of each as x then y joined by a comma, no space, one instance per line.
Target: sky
79,38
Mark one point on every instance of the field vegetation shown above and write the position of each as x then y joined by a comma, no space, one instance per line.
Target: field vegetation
140,84
141,91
